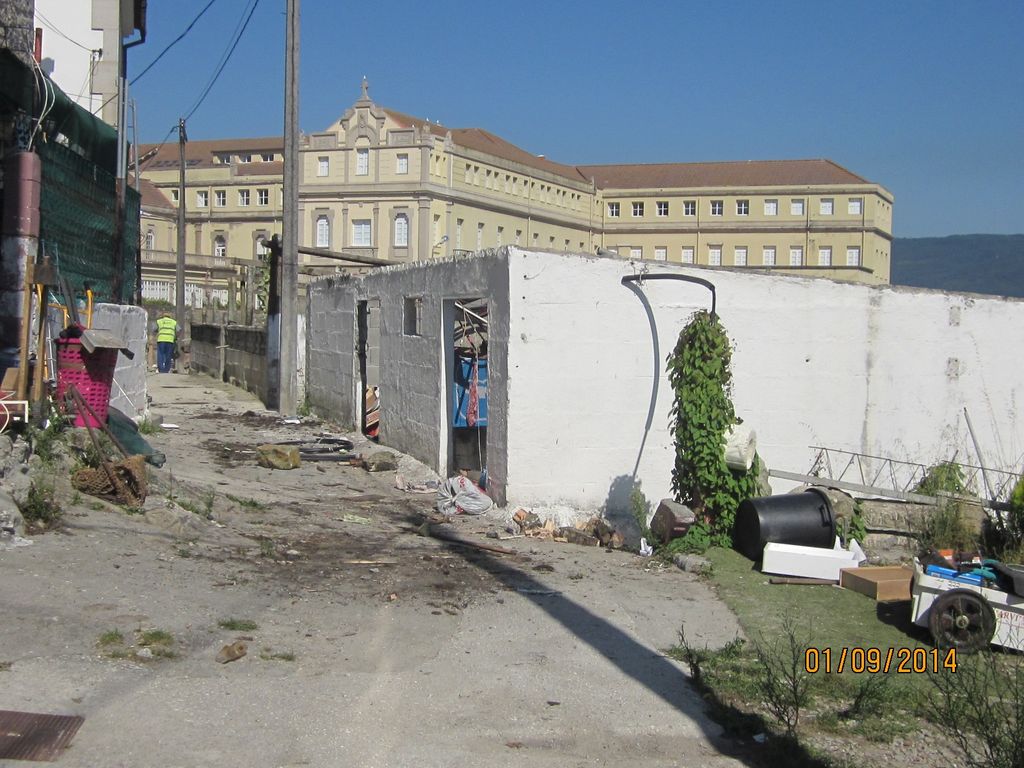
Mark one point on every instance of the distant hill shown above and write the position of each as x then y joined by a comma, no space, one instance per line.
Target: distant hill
972,263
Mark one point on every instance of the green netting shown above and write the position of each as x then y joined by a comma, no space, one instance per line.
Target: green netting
77,230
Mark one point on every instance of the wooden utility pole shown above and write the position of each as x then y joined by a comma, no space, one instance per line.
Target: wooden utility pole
179,270
290,220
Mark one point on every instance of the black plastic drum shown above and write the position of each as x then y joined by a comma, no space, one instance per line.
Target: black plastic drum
794,518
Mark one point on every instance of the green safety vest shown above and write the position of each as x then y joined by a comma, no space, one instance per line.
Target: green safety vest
166,329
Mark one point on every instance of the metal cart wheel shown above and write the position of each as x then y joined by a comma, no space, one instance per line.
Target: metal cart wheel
963,620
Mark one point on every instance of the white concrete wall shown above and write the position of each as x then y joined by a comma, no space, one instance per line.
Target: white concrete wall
128,391
71,64
885,371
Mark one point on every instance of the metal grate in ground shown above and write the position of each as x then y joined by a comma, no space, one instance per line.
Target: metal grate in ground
32,736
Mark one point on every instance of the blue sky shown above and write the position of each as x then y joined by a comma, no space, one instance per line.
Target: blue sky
925,98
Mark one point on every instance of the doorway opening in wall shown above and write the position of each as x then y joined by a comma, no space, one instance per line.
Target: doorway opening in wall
466,338
368,319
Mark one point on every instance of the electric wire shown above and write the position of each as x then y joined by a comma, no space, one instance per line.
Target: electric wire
224,60
173,42
53,28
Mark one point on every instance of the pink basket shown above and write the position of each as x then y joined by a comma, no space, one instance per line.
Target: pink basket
92,373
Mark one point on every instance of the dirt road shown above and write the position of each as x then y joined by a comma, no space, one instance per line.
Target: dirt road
368,644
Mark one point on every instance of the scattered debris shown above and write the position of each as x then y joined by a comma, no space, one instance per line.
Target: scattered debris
646,550
576,536
392,597
381,461
800,581
232,652
444,533
121,481
461,496
882,583
278,456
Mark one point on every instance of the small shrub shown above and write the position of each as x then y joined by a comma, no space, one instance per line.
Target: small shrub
945,527
246,503
640,507
147,427
41,509
784,683
151,637
981,705
268,654
945,477
267,548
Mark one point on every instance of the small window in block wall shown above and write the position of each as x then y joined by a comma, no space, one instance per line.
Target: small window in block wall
413,315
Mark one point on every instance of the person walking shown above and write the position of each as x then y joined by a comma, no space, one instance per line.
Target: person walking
166,336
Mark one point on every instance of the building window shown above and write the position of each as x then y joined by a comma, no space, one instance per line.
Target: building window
401,231
740,256
796,207
854,206
636,253
402,167
458,234
662,207
174,196
362,162
519,235
220,247
771,207
768,256
361,233
613,210
243,197
825,256
202,198
660,253
262,197
689,208
468,178
245,158
479,236
323,232
224,158
220,198
687,255
796,256
150,239
717,206
412,316
742,207
267,157
497,241
853,256
825,206
638,209
715,255
323,166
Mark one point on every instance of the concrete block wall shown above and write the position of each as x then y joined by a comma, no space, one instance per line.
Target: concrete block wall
879,370
128,392
413,389
245,361
204,354
329,349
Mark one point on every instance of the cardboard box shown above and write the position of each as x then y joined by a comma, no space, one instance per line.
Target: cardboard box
812,562
881,582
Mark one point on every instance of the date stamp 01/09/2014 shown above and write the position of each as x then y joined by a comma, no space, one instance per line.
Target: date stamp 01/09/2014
901,661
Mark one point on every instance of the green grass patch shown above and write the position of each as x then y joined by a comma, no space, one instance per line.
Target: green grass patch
109,638
148,638
268,654
244,502
238,625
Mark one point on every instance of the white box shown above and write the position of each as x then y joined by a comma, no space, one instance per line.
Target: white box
811,562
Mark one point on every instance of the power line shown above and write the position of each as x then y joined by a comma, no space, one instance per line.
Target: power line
53,28
174,42
154,152
225,60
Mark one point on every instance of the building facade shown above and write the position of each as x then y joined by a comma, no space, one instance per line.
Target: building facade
381,183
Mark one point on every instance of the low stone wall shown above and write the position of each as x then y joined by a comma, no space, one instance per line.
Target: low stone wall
236,354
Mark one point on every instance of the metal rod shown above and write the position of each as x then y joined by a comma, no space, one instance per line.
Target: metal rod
671,276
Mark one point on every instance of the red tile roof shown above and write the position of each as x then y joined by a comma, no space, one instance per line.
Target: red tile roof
200,154
750,173
152,196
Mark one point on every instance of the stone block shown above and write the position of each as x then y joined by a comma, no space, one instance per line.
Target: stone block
671,520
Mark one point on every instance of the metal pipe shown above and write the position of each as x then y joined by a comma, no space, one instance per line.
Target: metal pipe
671,276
